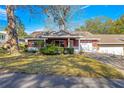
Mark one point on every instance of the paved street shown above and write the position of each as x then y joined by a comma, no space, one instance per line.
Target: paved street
19,80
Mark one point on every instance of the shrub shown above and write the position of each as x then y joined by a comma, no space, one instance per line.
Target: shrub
39,43
71,50
68,50
60,50
3,50
25,50
32,50
81,52
22,47
51,49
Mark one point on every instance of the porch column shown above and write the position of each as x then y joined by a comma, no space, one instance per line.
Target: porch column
79,47
68,42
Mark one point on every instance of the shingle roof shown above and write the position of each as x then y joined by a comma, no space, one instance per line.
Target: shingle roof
103,38
108,39
82,33
36,33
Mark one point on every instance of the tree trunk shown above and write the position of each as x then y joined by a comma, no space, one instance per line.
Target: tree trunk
12,34
62,25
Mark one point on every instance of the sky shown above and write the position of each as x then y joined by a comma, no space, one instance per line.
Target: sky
37,22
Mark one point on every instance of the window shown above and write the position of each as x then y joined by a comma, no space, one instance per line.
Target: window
2,37
59,43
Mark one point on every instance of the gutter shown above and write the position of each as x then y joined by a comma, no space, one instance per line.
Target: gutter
111,43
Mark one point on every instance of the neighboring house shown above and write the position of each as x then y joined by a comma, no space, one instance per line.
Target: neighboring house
82,41
21,41
3,37
36,34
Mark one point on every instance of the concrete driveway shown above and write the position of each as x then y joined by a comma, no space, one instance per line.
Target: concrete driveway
19,80
114,60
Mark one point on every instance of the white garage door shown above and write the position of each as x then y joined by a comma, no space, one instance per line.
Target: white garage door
112,50
87,47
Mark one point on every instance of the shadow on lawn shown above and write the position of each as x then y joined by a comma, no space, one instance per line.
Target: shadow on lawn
50,65
39,80
14,58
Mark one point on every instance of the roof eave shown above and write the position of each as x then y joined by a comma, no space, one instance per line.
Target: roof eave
90,39
62,36
110,43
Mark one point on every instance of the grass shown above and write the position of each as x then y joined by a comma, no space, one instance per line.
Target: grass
66,65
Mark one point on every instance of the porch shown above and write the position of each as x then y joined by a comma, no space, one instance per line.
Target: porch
61,42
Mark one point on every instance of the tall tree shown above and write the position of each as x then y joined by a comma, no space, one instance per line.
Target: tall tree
61,15
14,25
20,28
99,25
11,30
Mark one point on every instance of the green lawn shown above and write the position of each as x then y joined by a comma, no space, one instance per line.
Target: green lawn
67,65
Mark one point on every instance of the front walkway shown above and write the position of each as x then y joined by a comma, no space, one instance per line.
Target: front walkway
19,80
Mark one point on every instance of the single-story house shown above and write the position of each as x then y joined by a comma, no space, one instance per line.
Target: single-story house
3,37
81,41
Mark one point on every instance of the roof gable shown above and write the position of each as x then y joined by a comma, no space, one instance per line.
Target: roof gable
61,33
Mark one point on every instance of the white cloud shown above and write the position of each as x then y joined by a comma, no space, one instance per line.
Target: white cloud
3,17
2,11
40,29
84,7
43,29
3,14
29,30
